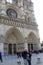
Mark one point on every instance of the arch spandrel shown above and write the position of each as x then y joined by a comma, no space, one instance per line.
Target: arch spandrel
12,7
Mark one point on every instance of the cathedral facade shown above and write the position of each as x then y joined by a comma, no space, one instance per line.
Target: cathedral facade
18,28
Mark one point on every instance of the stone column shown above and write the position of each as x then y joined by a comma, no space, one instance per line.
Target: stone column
2,48
25,46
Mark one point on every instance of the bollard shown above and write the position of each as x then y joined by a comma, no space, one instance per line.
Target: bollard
18,63
38,61
25,62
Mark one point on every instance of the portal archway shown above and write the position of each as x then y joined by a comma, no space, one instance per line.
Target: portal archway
32,41
13,41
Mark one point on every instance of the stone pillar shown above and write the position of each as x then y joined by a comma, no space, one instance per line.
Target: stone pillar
2,48
6,49
25,46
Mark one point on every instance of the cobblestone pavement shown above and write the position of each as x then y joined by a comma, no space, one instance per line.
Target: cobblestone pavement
37,59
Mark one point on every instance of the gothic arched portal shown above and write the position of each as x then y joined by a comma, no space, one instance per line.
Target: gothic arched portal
32,41
13,41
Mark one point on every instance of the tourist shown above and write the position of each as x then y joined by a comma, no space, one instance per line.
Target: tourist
20,59
29,54
1,56
25,57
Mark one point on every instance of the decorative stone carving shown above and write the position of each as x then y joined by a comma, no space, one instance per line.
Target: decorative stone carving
19,23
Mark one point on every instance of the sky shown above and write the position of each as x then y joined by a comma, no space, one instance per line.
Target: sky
38,11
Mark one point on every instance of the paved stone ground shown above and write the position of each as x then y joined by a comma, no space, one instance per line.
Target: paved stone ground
37,59
9,60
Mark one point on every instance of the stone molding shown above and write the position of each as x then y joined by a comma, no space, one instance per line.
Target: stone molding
18,23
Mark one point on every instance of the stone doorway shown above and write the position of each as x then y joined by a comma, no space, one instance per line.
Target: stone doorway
32,41
14,48
30,46
13,37
10,49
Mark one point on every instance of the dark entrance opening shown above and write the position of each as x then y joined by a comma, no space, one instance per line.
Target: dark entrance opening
28,46
14,48
10,49
32,46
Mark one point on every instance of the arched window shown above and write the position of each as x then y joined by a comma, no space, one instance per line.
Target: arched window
10,1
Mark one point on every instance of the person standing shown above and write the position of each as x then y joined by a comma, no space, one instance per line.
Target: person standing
29,54
25,57
1,56
20,60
